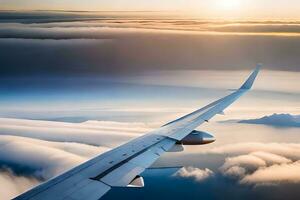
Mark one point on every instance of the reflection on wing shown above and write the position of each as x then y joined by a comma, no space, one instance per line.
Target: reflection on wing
122,166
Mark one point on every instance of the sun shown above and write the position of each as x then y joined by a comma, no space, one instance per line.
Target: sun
228,4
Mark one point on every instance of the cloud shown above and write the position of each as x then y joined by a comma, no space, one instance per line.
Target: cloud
259,27
12,185
251,162
256,168
275,174
58,146
42,160
270,158
260,164
28,157
32,151
234,172
245,171
287,150
246,161
195,173
92,133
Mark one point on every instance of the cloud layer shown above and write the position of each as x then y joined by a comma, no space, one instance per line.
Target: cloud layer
81,45
90,132
28,157
33,151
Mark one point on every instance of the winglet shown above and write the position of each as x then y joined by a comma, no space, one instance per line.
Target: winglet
249,82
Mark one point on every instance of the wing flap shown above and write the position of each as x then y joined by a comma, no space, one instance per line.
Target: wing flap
91,191
75,180
145,160
122,176
125,174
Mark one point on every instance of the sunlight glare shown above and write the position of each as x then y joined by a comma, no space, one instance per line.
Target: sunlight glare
228,4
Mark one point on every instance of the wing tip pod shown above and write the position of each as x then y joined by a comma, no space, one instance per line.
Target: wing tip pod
249,82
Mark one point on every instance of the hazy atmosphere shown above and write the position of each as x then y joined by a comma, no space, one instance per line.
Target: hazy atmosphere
76,84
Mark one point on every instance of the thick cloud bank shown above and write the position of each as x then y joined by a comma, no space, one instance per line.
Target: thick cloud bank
257,164
33,151
284,120
90,132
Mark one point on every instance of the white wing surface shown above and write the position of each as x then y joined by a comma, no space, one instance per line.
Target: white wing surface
122,166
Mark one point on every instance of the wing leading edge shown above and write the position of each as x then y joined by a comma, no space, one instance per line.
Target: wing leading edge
122,166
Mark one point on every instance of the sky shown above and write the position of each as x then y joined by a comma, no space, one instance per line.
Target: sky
206,9
76,84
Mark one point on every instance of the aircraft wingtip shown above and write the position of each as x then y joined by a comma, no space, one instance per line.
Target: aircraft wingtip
249,82
259,66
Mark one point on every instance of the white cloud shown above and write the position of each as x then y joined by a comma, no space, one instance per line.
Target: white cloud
196,173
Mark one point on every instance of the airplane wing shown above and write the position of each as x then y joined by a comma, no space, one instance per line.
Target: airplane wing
122,166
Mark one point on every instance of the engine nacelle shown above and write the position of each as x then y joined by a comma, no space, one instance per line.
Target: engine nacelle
197,138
